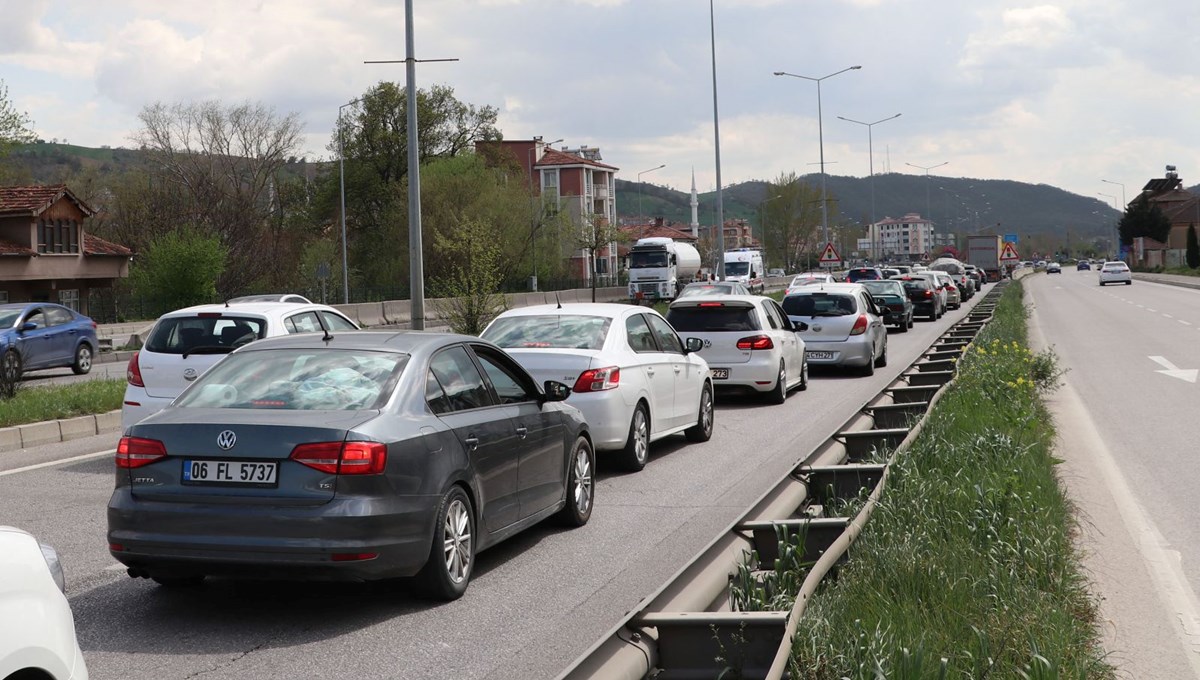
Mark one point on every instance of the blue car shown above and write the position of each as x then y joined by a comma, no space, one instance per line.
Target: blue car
36,335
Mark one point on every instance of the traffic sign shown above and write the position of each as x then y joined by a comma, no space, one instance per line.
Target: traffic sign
1009,254
1011,238
830,256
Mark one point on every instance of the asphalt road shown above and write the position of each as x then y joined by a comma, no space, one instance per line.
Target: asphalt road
536,601
1128,429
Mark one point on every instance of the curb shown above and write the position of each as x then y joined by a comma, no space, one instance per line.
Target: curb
56,431
1139,276
111,357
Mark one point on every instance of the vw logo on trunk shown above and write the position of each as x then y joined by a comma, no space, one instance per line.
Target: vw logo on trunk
226,440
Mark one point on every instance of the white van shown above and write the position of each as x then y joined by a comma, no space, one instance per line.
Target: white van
745,266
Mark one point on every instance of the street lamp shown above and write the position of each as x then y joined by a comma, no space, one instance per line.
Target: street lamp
821,140
1116,230
719,264
639,179
762,222
928,210
1123,203
533,216
342,182
871,153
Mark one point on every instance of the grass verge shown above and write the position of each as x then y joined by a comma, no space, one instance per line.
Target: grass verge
35,404
967,568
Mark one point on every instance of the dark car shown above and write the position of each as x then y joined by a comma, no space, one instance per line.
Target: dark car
356,456
864,274
891,297
921,293
36,335
1083,265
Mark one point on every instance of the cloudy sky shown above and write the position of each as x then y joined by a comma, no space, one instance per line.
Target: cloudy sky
1061,92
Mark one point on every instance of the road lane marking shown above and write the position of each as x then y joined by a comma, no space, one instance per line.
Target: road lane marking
1151,309
1185,323
51,463
1141,306
1185,374
1168,315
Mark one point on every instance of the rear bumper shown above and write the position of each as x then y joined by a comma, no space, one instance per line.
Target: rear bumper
857,352
762,367
273,541
608,416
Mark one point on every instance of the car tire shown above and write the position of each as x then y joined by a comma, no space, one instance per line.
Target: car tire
179,582
778,395
910,320
83,359
903,327
454,525
803,376
882,360
10,366
869,369
581,485
1129,283
703,429
637,445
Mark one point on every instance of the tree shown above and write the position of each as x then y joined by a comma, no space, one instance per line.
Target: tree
791,221
597,235
468,293
1143,218
14,125
1193,247
179,268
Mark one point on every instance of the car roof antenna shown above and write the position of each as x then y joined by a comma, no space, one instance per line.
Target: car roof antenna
557,300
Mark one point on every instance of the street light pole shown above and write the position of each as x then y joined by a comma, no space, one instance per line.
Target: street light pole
639,179
533,213
719,265
821,141
1116,229
342,183
928,209
871,153
1122,209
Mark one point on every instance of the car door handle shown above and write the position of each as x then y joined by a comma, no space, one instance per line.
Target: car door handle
472,442
650,371
522,431
677,369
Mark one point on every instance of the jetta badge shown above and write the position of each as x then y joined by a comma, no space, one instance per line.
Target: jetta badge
189,374
226,440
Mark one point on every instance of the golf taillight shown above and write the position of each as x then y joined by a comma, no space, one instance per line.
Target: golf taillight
134,452
342,458
133,372
860,325
598,379
928,293
756,342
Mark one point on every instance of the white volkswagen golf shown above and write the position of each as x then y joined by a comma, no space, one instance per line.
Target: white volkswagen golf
632,377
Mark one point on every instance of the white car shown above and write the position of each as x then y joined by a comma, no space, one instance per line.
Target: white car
633,378
37,631
1115,272
808,279
749,343
187,342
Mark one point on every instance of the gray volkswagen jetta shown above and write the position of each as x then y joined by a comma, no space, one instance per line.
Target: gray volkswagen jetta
359,456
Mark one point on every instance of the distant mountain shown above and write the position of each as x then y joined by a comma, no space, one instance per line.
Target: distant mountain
962,206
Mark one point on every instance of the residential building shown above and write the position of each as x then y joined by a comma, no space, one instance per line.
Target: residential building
1182,209
46,254
907,238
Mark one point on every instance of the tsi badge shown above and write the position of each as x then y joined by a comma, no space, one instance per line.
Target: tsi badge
189,374
226,440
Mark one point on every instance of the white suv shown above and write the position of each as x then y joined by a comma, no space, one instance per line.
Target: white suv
185,343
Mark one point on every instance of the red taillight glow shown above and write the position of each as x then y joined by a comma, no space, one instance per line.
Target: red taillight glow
353,557
756,342
116,547
950,288
712,304
134,452
342,458
929,293
860,325
598,379
133,372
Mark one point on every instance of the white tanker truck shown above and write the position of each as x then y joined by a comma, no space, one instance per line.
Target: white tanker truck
660,267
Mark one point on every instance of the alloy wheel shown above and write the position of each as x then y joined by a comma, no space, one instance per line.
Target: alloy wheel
583,479
457,541
641,435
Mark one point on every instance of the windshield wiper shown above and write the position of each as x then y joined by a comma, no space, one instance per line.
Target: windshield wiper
208,349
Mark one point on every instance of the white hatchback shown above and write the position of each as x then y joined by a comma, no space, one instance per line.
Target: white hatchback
633,378
749,343
187,342
1115,272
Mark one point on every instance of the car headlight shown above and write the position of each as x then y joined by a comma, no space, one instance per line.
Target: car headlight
55,567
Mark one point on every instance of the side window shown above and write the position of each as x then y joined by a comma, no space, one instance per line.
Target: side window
304,322
36,317
336,322
57,315
775,310
868,304
459,379
667,339
511,386
772,319
290,325
638,334
435,396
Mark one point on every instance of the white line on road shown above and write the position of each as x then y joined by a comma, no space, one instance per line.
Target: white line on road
1151,309
1185,323
1168,315
51,463
1185,374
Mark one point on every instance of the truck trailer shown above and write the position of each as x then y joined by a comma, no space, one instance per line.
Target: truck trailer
660,267
984,253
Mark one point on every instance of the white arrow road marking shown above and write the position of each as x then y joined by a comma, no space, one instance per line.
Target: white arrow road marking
1188,374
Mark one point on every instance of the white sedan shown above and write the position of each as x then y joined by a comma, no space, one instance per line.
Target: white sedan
37,632
808,279
1115,272
749,343
632,377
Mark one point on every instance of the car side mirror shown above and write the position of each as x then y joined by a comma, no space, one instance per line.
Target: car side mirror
556,391
693,344
880,302
28,326
799,326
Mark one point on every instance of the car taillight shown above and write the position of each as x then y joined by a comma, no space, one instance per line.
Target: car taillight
950,288
134,452
598,380
860,325
133,372
342,458
928,293
756,342
94,326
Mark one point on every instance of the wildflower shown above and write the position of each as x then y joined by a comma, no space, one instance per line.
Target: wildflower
1011,384
982,351
1020,380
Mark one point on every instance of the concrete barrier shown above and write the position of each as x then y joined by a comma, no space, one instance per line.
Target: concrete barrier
371,314
77,428
10,438
397,311
349,311
108,422
36,434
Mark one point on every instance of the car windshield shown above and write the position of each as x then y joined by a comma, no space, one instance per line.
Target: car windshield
213,333
549,331
718,317
8,317
708,289
647,258
737,268
298,380
819,304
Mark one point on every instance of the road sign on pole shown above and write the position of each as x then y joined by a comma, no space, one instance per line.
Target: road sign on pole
829,256
1009,254
1011,238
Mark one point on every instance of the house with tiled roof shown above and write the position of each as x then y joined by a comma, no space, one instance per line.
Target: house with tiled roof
46,254
1181,207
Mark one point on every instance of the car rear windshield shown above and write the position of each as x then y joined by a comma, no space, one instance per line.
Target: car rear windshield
948,267
204,333
705,318
916,284
882,287
855,275
298,380
551,331
819,304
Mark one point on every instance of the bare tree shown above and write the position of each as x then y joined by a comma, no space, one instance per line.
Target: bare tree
790,223
597,234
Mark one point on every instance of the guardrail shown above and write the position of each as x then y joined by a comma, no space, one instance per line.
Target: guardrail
684,628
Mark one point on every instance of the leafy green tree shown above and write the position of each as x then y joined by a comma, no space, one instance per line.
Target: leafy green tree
468,292
1193,248
179,268
791,223
15,126
1143,218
